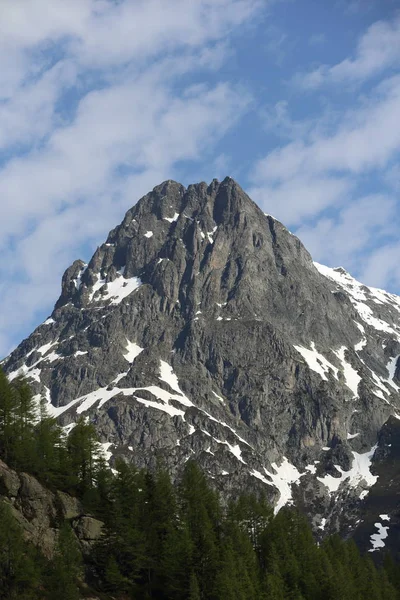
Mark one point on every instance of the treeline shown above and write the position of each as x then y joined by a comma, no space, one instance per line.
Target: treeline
32,441
180,542
163,541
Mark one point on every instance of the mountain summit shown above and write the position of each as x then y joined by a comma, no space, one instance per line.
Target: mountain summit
202,328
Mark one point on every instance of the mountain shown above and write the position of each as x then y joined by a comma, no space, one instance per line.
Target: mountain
202,328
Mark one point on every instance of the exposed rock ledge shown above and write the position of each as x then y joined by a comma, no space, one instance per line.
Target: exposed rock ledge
41,511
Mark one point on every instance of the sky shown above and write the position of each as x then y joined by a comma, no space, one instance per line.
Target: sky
101,100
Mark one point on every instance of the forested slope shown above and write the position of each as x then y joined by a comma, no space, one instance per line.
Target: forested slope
153,539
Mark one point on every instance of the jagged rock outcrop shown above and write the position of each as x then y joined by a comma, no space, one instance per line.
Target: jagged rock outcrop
40,511
202,328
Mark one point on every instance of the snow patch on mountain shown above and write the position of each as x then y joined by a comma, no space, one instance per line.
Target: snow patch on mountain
172,411
78,280
48,321
351,376
115,290
133,351
359,294
359,473
46,347
210,235
120,288
172,219
316,361
285,475
391,367
377,539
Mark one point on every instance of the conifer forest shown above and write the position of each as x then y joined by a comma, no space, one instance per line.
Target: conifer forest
162,540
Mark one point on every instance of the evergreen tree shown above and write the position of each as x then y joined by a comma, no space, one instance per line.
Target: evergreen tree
201,511
253,515
194,588
392,570
7,419
159,519
240,554
83,452
124,538
274,587
98,500
176,565
25,417
114,581
52,461
18,575
66,567
227,586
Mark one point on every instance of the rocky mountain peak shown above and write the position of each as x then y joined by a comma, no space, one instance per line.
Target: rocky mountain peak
218,242
202,327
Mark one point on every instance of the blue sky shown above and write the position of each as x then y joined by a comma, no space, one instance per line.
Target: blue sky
101,100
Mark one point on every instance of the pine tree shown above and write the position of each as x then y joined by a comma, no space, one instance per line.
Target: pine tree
51,463
388,591
84,452
159,519
253,515
194,588
124,539
227,577
241,541
392,570
347,567
26,410
201,511
7,419
114,581
18,574
370,585
274,587
66,567
176,566
99,499
25,417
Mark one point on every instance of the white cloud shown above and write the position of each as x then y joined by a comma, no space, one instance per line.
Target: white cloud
31,114
382,268
104,33
377,50
147,27
139,124
316,39
342,237
316,183
308,175
354,7
349,148
301,197
121,62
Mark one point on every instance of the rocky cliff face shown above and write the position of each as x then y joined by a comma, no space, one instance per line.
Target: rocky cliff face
202,328
40,511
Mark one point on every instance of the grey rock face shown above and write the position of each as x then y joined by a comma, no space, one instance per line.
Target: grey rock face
202,328
40,512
